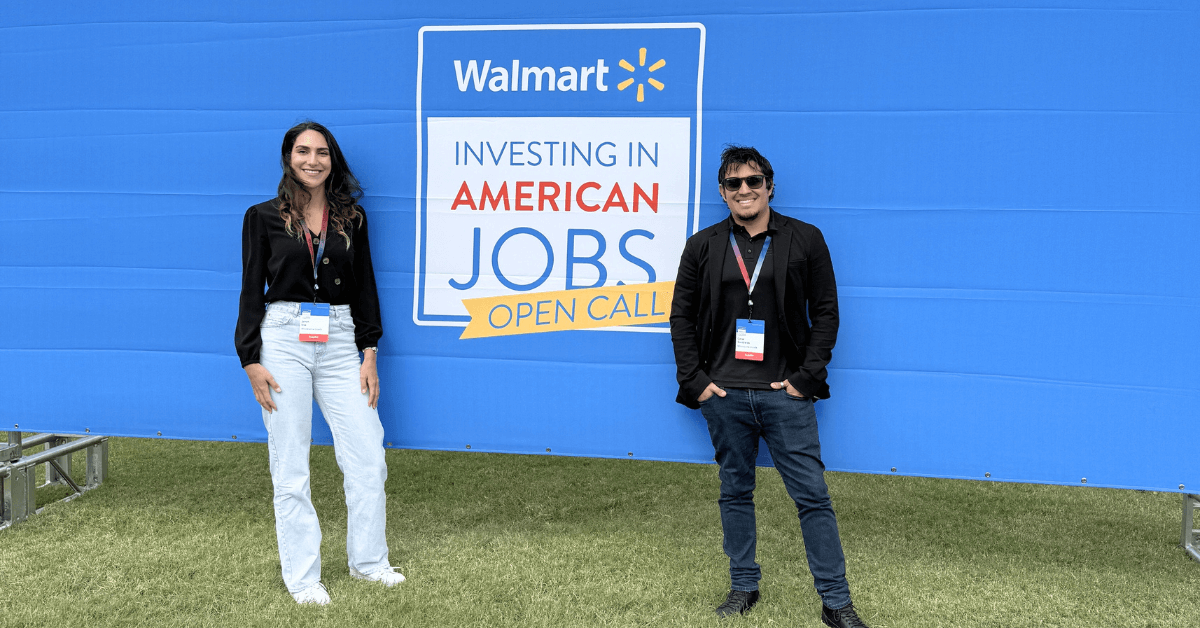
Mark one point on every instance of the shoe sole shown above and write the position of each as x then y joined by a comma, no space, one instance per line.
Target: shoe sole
741,612
358,575
328,599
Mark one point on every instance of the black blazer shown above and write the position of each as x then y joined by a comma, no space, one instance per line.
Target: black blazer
804,289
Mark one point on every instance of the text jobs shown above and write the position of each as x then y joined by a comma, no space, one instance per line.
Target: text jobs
518,204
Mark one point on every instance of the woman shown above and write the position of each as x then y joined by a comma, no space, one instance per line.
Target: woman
301,339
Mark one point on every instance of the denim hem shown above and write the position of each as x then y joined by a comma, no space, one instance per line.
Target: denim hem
837,608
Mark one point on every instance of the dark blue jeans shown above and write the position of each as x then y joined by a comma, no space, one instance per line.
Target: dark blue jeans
789,426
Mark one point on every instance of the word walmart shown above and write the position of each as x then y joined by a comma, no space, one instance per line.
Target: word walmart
565,79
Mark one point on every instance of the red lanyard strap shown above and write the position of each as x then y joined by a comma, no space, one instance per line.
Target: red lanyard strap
750,282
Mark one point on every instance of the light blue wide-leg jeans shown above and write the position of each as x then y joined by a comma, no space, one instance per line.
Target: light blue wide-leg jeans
328,372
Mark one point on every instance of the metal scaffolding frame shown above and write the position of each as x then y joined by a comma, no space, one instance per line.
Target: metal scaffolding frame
18,472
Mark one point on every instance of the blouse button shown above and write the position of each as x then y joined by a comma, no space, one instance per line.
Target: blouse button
337,282
325,261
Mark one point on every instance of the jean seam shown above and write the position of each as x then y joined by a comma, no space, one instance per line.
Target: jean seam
285,557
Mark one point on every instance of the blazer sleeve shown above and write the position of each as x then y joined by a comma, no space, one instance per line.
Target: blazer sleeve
685,314
252,305
822,304
368,326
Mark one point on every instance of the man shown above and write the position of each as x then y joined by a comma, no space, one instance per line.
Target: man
753,321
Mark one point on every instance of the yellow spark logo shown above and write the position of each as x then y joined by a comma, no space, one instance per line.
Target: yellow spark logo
641,92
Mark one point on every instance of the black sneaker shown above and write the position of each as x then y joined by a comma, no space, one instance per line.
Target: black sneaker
737,603
842,617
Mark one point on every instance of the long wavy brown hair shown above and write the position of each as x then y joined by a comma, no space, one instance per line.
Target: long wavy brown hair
342,190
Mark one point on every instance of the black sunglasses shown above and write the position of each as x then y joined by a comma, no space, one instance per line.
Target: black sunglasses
733,184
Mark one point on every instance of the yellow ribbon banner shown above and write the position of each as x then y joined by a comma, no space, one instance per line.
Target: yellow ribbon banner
587,308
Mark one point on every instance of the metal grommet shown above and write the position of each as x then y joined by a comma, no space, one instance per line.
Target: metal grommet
325,261
337,282
987,475
1084,480
893,469
468,446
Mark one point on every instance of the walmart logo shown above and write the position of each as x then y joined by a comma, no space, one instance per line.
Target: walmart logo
641,93
519,78
499,79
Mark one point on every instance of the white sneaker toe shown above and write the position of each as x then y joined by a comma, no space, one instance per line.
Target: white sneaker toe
388,576
316,594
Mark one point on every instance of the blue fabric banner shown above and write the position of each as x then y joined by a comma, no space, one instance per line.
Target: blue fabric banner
1010,192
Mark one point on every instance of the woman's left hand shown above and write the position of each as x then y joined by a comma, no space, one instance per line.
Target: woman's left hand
368,378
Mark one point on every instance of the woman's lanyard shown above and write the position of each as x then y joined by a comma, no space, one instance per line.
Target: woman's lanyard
321,249
750,281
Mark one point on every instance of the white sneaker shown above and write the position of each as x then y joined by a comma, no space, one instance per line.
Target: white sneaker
388,576
316,594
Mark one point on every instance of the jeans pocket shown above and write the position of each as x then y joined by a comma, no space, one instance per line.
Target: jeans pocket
276,319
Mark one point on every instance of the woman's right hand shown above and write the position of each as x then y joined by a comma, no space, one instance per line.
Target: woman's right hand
262,383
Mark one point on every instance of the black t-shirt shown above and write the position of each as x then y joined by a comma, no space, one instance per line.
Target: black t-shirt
726,370
284,265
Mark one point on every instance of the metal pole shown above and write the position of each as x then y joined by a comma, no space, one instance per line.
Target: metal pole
86,442
1190,538
12,450
97,463
38,439
66,477
53,476
18,496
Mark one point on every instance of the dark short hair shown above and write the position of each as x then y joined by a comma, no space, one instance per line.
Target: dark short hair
735,155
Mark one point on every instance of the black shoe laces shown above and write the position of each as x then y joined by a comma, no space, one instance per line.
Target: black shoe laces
850,616
737,601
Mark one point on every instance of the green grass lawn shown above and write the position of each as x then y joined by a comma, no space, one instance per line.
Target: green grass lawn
182,534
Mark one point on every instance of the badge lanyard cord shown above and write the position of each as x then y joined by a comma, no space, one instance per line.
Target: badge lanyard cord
321,248
750,281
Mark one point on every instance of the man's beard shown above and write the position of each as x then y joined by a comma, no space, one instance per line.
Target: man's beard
745,218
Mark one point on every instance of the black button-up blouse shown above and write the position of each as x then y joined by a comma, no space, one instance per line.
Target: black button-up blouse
282,263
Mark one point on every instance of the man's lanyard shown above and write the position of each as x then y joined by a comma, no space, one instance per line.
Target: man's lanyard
321,249
750,281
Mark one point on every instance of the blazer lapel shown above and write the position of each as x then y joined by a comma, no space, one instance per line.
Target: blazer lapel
717,250
782,243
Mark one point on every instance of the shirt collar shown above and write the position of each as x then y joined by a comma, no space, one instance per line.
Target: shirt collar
772,226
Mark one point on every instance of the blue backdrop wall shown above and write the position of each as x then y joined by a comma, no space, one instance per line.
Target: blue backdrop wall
1010,191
